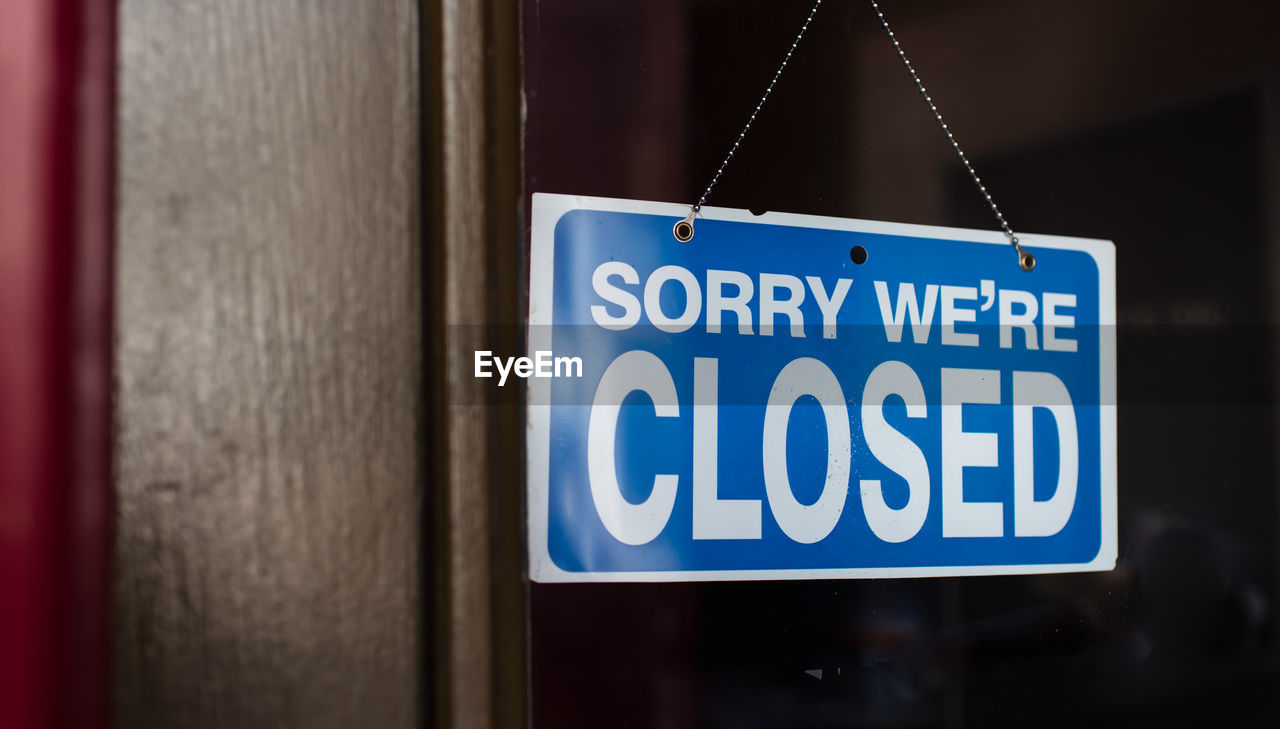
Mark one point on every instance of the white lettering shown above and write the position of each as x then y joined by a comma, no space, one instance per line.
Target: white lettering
629,523
961,449
717,302
921,318
483,360
951,315
1033,518
714,517
524,368
653,299
541,365
829,305
1053,321
790,307
896,451
1026,320
614,295
504,368
572,367
812,523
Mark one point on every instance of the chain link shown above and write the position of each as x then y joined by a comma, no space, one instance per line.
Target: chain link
774,82
1025,259
683,230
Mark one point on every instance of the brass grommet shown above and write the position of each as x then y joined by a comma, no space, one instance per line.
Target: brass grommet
1026,260
683,229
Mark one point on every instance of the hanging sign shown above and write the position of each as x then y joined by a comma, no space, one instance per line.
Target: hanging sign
797,397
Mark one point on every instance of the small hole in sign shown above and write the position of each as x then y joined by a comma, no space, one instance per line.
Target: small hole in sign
859,255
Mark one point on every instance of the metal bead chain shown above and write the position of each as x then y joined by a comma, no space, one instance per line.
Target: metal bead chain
1025,259
734,149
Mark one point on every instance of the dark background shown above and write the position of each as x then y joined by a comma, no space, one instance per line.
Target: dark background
1154,124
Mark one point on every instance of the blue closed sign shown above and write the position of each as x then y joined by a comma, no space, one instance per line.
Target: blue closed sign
789,397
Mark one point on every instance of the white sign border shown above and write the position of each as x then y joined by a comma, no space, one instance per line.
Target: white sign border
547,209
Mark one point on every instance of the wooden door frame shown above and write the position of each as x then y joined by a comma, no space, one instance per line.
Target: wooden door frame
473,288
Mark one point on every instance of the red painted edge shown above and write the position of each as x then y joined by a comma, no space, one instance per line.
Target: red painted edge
57,74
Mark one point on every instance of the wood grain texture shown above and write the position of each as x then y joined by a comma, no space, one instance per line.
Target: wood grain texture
471,69
269,359
465,646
